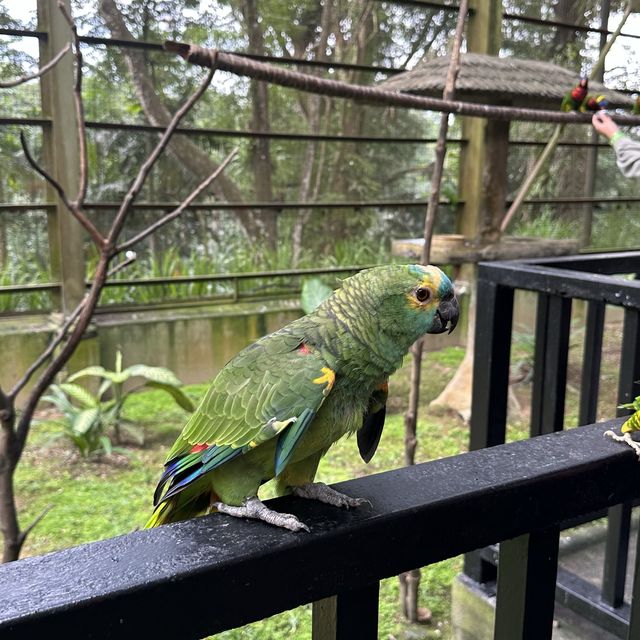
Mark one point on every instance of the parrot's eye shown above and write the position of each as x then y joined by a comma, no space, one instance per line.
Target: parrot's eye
422,294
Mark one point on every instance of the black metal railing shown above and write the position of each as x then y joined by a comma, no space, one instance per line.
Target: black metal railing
558,281
227,572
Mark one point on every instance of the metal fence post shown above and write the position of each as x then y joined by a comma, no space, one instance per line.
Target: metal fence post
349,615
526,586
619,523
550,368
494,319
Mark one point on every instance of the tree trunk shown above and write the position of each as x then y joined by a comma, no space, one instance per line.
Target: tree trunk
3,242
11,535
195,161
260,121
312,106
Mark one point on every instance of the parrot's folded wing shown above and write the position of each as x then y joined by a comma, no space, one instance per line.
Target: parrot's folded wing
272,389
290,437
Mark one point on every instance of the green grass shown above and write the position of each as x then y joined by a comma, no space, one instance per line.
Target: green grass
92,500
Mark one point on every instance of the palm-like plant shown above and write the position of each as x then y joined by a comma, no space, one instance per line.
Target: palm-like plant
88,417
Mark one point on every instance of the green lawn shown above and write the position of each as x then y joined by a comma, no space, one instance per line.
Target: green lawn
98,499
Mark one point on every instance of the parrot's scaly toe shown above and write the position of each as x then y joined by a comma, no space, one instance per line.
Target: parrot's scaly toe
627,439
320,491
254,508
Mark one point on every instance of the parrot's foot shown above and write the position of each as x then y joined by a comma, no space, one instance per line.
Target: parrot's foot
626,437
254,508
320,491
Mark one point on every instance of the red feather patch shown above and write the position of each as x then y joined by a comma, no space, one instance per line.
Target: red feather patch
199,447
304,349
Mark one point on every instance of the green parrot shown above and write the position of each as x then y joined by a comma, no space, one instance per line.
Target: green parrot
276,408
629,427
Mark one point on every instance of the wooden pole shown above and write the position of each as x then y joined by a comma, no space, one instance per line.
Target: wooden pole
592,153
61,157
410,580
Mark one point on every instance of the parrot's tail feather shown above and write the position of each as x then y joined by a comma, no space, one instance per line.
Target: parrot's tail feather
157,518
182,471
182,507
174,468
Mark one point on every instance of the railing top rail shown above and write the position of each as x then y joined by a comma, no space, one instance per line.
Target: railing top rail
608,263
227,572
564,281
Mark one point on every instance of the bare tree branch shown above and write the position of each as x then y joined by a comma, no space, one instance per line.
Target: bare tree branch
134,190
130,258
178,210
77,99
34,524
410,581
8,84
46,354
6,409
15,429
73,207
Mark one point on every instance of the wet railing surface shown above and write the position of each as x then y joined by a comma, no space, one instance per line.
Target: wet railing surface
213,573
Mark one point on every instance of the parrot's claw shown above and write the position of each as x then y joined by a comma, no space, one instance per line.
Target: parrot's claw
254,508
320,491
625,438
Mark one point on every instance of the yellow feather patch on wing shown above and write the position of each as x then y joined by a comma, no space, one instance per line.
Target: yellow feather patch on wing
328,377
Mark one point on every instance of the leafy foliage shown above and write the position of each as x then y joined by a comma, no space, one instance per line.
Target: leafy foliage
84,422
88,417
635,405
314,293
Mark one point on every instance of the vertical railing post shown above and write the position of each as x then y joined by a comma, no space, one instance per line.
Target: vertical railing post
633,632
619,523
494,321
491,364
349,615
61,156
553,323
591,360
526,586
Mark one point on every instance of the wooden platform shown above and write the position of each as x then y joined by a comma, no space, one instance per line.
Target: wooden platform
455,249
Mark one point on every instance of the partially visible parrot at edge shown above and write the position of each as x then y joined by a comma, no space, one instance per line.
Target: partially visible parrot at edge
594,103
276,408
573,99
630,426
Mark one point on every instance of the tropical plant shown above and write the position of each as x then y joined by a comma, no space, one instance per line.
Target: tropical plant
113,382
87,418
85,422
314,292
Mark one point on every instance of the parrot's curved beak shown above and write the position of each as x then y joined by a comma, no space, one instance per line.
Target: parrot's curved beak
446,317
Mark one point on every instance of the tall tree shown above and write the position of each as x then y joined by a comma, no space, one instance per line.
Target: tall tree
196,161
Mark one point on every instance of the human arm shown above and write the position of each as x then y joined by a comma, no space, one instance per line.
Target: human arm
627,150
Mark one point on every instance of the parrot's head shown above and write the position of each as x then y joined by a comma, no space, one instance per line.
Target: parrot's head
430,299
406,301
579,92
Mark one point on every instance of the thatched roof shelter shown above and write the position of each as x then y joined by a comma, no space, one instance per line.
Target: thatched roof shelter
489,79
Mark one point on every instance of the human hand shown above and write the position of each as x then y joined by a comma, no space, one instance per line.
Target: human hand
604,124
